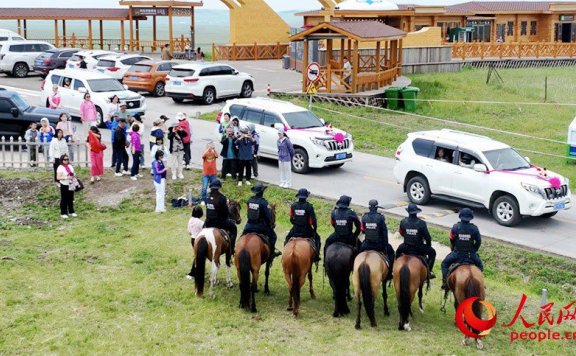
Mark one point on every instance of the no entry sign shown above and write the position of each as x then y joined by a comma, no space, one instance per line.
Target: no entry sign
313,72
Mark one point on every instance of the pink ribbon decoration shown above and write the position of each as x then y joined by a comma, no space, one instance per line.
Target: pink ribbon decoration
542,174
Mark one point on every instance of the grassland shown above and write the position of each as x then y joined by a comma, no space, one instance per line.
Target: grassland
112,281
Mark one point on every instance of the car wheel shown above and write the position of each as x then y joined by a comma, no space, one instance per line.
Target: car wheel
246,90
300,161
20,70
209,96
158,89
178,100
505,210
549,215
418,190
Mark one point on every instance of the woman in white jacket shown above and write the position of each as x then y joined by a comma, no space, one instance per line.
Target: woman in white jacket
58,147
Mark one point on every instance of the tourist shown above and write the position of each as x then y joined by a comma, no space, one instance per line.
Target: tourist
255,148
245,145
159,178
119,146
65,124
31,137
112,125
166,55
223,124
88,113
58,147
164,126
113,108
54,99
83,64
46,133
138,121
347,71
195,224
176,135
199,54
229,154
96,148
136,149
285,154
186,140
155,133
160,146
65,175
235,125
209,170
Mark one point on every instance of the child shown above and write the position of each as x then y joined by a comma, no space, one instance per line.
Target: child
31,136
209,170
136,148
46,133
155,133
195,225
159,178
159,146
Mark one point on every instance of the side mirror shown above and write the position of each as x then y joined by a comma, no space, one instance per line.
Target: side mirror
527,159
82,90
278,126
236,72
125,87
479,167
14,112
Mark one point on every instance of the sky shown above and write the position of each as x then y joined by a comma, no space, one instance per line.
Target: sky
277,5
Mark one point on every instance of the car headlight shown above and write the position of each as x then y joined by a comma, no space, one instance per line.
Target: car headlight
533,189
317,141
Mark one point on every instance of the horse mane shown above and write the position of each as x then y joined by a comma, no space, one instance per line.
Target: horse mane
404,305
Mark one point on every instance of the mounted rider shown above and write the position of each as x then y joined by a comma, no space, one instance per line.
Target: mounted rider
260,218
344,220
417,240
303,219
376,234
465,240
217,212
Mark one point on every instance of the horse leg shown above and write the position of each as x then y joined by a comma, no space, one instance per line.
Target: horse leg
229,283
420,300
348,297
385,298
267,274
253,290
312,294
213,275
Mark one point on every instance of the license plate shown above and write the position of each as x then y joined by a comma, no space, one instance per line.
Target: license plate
341,156
133,78
177,82
559,206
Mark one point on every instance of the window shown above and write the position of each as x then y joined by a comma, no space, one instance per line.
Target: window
55,79
208,72
66,82
523,28
444,154
252,116
506,159
18,48
510,29
44,47
180,73
236,110
419,27
140,68
533,25
5,105
271,119
78,84
422,147
164,67
3,38
106,63
67,54
225,70
130,61
500,32
468,160
104,85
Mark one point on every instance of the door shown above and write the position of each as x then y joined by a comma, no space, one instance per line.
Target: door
566,32
234,81
438,166
466,182
269,134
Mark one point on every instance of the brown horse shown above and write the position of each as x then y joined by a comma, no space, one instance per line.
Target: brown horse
370,270
467,281
210,244
297,261
234,208
250,254
410,273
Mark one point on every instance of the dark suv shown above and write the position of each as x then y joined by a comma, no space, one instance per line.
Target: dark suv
53,59
16,114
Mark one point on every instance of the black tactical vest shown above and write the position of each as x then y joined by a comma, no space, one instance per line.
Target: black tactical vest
412,234
254,211
301,215
372,227
463,238
342,225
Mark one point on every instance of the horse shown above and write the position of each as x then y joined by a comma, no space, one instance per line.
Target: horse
338,262
467,281
370,270
234,208
297,259
210,244
410,273
250,254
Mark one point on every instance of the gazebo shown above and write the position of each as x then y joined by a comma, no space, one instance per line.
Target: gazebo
371,71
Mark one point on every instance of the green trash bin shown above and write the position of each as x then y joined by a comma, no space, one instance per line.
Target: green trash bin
392,95
409,94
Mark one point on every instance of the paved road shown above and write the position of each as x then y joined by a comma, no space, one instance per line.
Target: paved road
366,177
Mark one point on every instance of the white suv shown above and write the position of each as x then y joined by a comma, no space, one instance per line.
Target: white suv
208,82
17,57
90,57
116,65
315,145
477,171
74,83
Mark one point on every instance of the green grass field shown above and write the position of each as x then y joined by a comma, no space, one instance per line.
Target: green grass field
112,281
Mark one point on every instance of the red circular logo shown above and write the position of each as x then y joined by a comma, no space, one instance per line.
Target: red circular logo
470,324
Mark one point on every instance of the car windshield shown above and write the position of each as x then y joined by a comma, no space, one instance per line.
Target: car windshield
140,68
506,159
20,102
103,85
302,120
106,63
180,73
46,55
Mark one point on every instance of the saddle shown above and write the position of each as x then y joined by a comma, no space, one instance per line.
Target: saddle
454,266
263,237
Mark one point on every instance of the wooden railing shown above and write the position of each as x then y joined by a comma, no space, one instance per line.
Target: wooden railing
513,50
334,80
375,80
242,52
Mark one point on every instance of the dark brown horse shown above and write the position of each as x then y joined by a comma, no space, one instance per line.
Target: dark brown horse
338,262
410,273
210,244
234,208
250,254
297,261
370,270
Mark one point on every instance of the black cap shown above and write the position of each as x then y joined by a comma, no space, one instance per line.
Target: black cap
303,193
343,202
216,184
413,209
258,188
373,203
466,214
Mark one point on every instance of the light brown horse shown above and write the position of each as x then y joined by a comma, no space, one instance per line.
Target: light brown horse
297,260
467,281
410,273
370,270
210,244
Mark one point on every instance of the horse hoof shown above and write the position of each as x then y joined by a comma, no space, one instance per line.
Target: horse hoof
407,327
357,327
266,292
253,310
421,310
335,314
373,325
386,313
312,295
289,308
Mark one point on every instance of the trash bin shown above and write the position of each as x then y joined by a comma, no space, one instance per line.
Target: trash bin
408,96
392,95
285,62
571,149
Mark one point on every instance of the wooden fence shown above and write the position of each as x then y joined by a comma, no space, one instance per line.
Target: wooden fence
513,50
242,52
17,153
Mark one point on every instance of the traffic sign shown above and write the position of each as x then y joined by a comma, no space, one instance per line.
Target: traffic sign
312,89
313,72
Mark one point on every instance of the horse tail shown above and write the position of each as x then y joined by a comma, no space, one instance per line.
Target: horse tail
404,305
472,288
337,274
244,266
201,256
295,281
366,287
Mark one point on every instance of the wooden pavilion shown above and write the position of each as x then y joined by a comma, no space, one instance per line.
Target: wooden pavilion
370,72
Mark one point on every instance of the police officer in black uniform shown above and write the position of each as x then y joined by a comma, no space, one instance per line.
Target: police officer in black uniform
260,218
465,241
217,212
417,240
303,219
376,234
343,219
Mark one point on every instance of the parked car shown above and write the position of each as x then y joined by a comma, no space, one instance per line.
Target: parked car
53,59
74,83
90,57
315,145
16,114
148,76
476,171
116,65
207,82
17,57
7,35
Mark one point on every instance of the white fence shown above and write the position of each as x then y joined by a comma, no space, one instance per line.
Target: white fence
17,153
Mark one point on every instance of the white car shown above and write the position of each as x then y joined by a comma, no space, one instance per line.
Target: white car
90,57
315,145
74,83
476,171
207,82
17,57
116,65
7,35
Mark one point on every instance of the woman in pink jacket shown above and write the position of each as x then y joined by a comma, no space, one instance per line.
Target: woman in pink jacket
54,99
88,113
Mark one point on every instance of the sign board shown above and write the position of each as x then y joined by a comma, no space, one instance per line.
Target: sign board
150,11
569,18
313,72
312,89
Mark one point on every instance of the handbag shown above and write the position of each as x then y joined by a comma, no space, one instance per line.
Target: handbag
75,185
